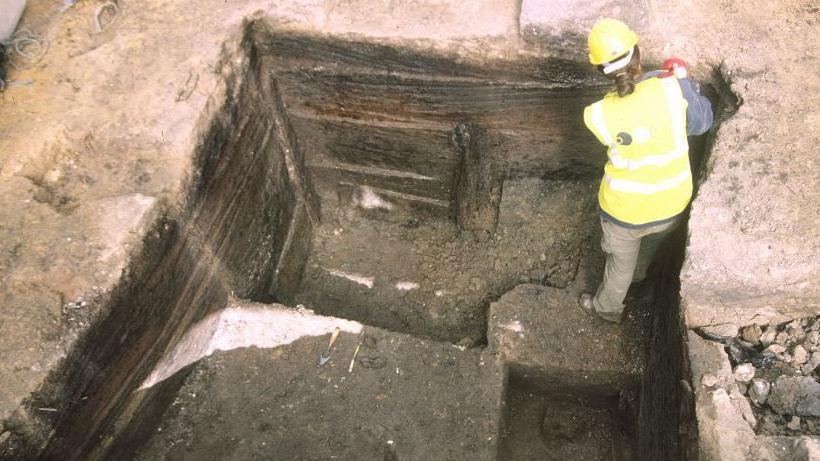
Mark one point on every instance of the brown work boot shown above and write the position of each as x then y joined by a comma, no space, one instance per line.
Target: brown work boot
586,305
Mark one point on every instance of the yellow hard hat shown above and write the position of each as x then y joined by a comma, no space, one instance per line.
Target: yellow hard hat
608,39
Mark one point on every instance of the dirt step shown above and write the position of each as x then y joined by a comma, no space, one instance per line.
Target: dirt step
550,343
418,398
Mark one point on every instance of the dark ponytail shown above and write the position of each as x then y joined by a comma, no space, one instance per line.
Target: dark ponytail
625,78
625,83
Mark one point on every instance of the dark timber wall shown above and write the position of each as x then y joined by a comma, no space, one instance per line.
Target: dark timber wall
242,228
381,116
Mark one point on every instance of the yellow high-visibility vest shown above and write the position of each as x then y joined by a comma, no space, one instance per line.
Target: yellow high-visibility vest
647,177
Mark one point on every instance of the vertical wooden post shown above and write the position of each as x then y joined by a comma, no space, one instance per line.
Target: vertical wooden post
478,182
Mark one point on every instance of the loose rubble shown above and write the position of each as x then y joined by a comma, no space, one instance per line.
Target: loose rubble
776,368
806,448
759,391
744,372
751,334
795,396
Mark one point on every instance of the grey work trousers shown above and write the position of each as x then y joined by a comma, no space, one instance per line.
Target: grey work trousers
628,255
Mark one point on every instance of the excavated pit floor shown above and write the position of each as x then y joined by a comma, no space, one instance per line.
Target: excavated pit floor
407,397
419,276
543,428
430,399
427,190
423,400
416,195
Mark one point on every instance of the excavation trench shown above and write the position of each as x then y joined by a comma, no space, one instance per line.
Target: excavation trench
405,191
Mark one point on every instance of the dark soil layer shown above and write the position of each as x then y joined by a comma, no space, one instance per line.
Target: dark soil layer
540,428
667,428
426,401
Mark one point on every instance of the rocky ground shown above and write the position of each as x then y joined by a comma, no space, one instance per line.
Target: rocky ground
776,367
757,390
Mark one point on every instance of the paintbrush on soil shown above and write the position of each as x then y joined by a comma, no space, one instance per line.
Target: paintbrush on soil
353,360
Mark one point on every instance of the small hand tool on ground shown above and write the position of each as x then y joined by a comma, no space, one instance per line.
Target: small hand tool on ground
353,360
325,356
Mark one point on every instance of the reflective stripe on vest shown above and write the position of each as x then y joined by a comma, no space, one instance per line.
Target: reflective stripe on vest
677,114
637,187
597,117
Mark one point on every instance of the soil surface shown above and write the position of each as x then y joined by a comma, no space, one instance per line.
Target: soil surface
422,277
278,404
550,342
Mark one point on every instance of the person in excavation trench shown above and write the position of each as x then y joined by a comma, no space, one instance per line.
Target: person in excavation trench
647,180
